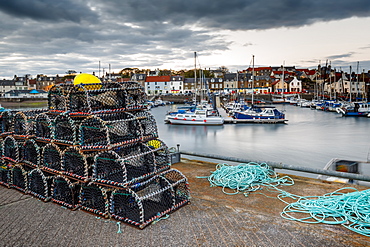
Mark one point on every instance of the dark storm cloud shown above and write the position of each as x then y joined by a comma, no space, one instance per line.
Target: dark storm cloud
50,10
76,34
239,14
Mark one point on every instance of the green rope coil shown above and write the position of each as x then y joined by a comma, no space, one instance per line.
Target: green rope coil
245,178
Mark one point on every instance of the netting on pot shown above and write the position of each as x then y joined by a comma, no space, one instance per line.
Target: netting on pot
31,153
39,185
74,163
64,192
24,122
110,96
142,203
123,128
57,98
65,130
180,186
139,161
161,153
109,168
10,149
19,178
7,118
44,127
93,133
51,158
95,199
5,168
136,97
148,125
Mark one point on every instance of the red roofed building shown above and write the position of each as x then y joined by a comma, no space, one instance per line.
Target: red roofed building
157,84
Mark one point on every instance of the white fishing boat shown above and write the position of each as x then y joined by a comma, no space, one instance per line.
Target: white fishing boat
198,117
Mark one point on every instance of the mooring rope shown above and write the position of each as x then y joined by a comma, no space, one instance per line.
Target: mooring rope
350,209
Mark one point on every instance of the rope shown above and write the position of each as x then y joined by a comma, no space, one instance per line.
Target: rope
245,178
349,209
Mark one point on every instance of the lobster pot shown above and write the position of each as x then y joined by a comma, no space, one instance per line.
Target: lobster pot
93,133
39,185
65,130
180,186
44,127
109,129
19,178
65,193
31,153
24,122
148,125
109,96
139,161
51,158
109,168
10,149
161,153
136,97
4,173
94,199
74,164
143,202
57,98
6,118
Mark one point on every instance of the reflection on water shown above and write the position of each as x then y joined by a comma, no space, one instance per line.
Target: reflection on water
310,138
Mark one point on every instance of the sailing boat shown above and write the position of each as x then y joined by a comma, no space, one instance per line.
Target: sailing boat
201,115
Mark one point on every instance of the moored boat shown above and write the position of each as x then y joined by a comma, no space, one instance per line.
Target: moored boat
355,109
260,114
198,117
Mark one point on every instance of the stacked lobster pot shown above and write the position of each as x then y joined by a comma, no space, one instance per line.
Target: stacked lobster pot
95,148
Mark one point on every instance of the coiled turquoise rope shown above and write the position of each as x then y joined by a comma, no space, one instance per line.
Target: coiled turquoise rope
350,209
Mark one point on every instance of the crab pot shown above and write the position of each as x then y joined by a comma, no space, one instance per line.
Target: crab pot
64,192
57,98
19,178
10,149
148,125
44,127
136,97
6,118
31,153
65,129
39,185
51,158
108,168
95,199
142,203
74,164
161,153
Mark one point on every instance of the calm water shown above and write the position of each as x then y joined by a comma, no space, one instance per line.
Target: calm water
311,138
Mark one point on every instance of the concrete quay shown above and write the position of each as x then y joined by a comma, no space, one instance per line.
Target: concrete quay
211,219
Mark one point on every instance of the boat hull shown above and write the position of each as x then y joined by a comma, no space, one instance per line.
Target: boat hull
195,121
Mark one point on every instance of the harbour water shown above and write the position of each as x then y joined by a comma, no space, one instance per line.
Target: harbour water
311,138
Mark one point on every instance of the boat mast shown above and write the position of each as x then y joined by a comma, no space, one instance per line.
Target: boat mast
350,82
195,77
252,80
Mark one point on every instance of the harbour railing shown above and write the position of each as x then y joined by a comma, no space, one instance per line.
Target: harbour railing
277,165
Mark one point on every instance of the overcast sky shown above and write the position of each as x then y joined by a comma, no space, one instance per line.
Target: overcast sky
53,36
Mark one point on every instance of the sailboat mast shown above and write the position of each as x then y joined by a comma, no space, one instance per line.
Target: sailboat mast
195,76
252,80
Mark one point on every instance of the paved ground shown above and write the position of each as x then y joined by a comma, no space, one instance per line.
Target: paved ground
212,219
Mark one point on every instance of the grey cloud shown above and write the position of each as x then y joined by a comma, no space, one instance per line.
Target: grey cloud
50,10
